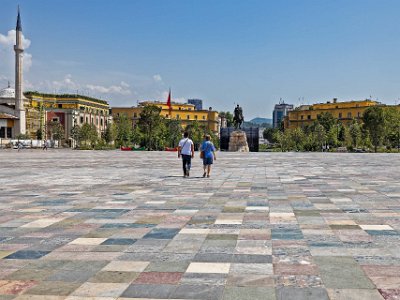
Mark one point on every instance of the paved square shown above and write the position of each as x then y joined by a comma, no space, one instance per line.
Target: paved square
127,225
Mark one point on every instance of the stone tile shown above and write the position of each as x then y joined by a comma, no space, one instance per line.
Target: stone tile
27,254
251,268
114,277
296,223
208,292
89,289
222,268
342,273
56,288
119,242
249,293
301,293
158,278
146,291
354,294
88,241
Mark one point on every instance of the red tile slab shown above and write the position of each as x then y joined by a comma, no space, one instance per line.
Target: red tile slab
158,278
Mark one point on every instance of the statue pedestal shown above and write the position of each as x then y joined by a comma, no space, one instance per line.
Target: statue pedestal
238,142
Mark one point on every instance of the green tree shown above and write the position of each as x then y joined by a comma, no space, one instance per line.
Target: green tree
85,133
355,134
297,138
327,120
76,134
392,127
320,136
374,122
150,122
39,134
110,133
56,130
123,130
228,116
93,135
196,133
174,132
269,134
136,137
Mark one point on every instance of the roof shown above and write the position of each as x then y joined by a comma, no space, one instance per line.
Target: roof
8,92
7,116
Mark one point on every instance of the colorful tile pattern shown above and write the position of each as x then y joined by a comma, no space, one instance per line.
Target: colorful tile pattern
117,225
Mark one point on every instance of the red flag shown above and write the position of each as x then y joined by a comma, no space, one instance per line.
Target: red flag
169,103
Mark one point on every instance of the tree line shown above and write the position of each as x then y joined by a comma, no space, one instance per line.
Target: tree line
152,132
378,129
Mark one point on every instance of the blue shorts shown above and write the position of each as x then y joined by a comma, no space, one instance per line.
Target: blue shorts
208,161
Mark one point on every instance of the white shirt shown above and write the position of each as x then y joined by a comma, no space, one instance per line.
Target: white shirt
186,146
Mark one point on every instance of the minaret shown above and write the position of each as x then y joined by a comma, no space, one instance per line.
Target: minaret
19,100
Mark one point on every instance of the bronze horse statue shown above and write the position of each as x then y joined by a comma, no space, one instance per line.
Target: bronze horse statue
238,117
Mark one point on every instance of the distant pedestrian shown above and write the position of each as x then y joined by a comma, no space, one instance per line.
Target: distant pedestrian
45,145
208,155
19,146
186,150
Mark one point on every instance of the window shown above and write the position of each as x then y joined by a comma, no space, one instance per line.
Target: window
204,117
195,117
59,105
340,115
349,115
166,115
55,119
177,117
309,117
81,120
188,117
180,108
359,115
135,115
97,121
92,121
101,122
302,117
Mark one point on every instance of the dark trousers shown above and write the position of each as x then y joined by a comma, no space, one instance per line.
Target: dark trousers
186,163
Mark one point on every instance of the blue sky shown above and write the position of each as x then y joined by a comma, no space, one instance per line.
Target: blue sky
224,52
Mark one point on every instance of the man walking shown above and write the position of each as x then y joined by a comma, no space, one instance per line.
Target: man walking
186,150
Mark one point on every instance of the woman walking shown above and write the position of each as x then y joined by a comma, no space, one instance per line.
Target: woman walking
208,152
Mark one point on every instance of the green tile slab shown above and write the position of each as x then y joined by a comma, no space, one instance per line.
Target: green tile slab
340,272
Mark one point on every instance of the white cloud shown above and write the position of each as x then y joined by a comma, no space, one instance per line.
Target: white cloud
157,77
7,43
122,89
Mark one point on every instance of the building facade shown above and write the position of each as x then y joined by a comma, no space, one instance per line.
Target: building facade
344,112
69,110
185,113
281,110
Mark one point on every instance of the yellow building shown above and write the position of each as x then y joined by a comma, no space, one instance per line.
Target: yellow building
68,109
344,112
185,113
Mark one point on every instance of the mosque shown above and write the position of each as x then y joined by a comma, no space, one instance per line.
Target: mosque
28,113
12,111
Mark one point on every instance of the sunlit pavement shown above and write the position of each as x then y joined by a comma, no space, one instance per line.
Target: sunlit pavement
127,225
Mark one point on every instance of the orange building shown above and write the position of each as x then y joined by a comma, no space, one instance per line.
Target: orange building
344,112
185,113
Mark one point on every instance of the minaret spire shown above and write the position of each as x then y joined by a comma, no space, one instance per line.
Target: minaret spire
19,27
19,97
